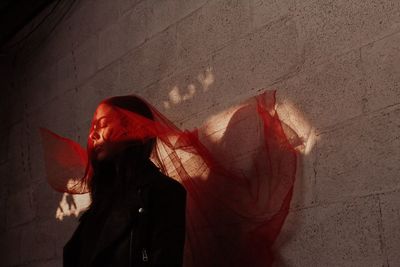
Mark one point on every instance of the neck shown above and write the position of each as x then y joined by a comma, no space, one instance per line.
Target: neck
115,178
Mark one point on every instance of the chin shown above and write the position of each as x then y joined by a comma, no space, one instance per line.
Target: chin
101,156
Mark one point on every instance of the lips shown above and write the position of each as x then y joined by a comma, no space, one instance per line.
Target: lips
97,148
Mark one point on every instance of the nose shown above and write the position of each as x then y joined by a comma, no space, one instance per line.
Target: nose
94,135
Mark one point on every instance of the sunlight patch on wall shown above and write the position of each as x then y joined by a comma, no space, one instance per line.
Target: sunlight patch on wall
216,125
295,119
72,205
206,79
301,134
175,96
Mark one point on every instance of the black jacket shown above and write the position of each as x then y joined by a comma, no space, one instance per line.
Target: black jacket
147,231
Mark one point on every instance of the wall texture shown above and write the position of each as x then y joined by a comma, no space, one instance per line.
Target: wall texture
337,63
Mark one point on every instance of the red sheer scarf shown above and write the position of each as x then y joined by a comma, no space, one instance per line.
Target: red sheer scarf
238,170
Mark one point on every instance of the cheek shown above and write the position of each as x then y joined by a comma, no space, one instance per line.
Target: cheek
107,133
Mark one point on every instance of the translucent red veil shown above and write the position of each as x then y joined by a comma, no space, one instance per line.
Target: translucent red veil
238,170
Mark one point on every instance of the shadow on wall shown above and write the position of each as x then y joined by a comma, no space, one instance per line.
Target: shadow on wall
217,137
291,116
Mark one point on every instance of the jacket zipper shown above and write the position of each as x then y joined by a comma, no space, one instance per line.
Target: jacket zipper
144,255
130,249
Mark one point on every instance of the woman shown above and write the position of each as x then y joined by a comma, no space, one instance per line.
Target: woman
137,214
238,170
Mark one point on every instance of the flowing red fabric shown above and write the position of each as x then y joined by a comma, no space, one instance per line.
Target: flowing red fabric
238,169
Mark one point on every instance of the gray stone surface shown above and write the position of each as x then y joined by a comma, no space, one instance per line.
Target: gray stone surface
381,63
265,11
128,32
127,5
41,237
3,203
40,87
90,17
45,199
10,247
103,84
66,73
390,209
304,193
20,208
328,93
364,161
339,234
336,63
45,263
150,62
85,59
328,28
258,60
210,28
162,14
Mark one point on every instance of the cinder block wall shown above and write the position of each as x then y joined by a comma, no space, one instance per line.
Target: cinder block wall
336,62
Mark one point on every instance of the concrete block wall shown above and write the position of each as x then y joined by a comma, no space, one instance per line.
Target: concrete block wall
336,62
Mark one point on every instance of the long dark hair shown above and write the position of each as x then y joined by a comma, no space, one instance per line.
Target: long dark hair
113,178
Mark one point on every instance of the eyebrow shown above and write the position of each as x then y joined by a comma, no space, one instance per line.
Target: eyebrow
102,117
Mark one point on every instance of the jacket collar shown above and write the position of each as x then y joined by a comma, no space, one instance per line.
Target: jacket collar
123,215
117,223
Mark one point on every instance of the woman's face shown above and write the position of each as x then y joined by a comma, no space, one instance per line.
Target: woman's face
105,123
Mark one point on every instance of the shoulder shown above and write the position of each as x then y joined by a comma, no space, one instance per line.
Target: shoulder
166,185
158,180
167,199
159,187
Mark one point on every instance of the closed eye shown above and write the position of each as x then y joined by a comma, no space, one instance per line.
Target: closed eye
101,123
